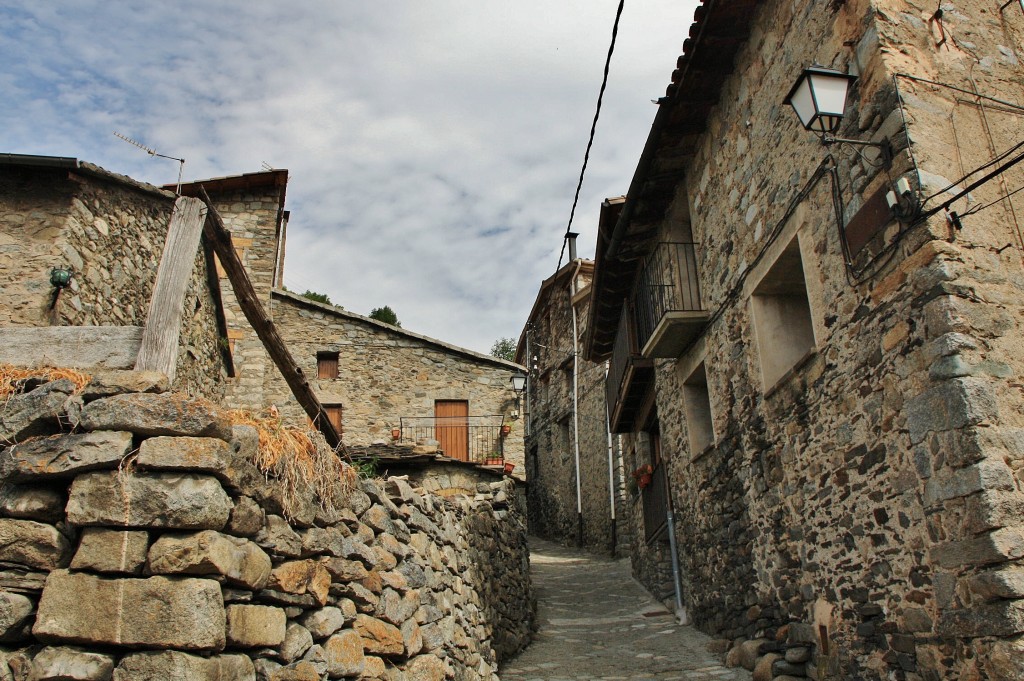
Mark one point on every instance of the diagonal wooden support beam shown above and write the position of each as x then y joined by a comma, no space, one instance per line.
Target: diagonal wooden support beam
220,238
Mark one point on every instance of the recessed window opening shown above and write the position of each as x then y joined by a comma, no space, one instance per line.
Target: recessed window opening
782,316
327,365
697,406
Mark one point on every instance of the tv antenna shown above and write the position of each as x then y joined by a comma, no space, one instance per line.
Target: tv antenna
153,152
267,166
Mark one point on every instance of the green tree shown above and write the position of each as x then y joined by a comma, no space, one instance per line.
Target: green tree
317,297
385,314
504,348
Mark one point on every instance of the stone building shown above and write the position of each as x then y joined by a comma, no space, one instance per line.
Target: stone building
569,459
823,379
107,231
370,377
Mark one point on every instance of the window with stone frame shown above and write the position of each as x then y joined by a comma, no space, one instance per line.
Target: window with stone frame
697,407
327,365
781,314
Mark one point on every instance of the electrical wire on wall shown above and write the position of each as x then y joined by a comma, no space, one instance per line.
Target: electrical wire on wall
593,130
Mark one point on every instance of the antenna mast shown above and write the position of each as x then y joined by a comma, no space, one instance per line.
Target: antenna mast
152,152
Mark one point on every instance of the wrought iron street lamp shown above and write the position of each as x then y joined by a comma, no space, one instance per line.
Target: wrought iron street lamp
518,382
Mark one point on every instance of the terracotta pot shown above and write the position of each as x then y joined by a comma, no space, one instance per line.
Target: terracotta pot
643,480
396,433
508,467
505,430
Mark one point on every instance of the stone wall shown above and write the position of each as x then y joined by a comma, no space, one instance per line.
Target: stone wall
866,504
552,495
146,545
385,374
111,230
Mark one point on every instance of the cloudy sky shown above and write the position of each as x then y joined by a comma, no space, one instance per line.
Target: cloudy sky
433,147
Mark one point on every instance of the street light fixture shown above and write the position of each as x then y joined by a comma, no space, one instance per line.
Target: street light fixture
518,382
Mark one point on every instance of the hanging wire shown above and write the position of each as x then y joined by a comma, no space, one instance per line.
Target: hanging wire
593,129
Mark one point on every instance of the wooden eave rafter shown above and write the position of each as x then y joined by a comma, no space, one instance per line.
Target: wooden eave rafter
718,32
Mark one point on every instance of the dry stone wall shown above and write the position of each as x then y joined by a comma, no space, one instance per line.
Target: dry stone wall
146,545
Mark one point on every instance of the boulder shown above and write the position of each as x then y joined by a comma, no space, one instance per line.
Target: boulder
301,577
279,537
165,500
247,518
172,664
191,454
344,654
378,519
379,637
344,570
15,611
32,502
35,545
157,414
763,667
116,551
37,412
425,668
71,664
187,614
240,561
317,541
250,626
64,456
396,608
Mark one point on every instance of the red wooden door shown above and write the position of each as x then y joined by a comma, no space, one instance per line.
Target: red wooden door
451,427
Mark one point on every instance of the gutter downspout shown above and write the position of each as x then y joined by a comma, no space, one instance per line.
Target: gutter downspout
611,472
576,390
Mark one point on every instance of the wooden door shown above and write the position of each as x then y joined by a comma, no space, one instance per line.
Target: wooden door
451,427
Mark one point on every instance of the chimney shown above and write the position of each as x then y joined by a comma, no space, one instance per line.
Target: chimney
571,236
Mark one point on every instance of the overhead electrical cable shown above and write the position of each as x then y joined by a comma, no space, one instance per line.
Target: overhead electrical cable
593,129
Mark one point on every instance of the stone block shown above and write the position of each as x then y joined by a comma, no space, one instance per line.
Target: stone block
15,611
240,561
1005,583
379,637
318,541
344,570
36,545
764,668
251,626
64,456
247,518
396,608
994,547
302,577
105,550
172,664
426,668
950,405
412,636
117,382
71,664
344,654
988,474
187,614
279,537
300,671
1001,618
37,412
323,622
297,640
166,500
378,519
32,502
157,414
191,454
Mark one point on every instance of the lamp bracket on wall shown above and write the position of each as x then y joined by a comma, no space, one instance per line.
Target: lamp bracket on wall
885,152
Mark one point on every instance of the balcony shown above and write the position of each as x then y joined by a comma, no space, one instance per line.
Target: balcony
630,376
667,301
476,439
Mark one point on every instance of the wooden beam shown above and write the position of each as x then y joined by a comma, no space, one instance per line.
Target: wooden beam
159,351
220,238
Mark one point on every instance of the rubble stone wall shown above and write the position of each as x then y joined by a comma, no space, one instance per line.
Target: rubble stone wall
865,509
111,232
147,546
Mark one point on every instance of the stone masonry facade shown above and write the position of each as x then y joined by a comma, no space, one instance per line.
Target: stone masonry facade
110,229
862,499
139,541
547,349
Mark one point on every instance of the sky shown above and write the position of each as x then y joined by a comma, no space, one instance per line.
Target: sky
433,148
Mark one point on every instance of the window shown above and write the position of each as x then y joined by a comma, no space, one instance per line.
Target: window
697,406
333,414
326,365
782,317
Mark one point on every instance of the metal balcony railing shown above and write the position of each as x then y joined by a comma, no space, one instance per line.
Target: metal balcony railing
668,282
623,352
477,439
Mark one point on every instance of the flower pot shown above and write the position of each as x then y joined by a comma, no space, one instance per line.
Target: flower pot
493,461
643,480
396,433
508,467
505,430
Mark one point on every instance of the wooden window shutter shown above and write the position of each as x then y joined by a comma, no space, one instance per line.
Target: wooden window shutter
326,365
333,413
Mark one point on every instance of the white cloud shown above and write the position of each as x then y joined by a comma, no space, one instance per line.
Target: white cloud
434,148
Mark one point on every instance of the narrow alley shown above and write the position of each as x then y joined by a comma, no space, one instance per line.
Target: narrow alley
596,622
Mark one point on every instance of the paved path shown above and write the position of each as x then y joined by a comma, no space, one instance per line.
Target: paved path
596,622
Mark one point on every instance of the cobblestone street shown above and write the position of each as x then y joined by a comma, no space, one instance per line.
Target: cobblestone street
596,622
